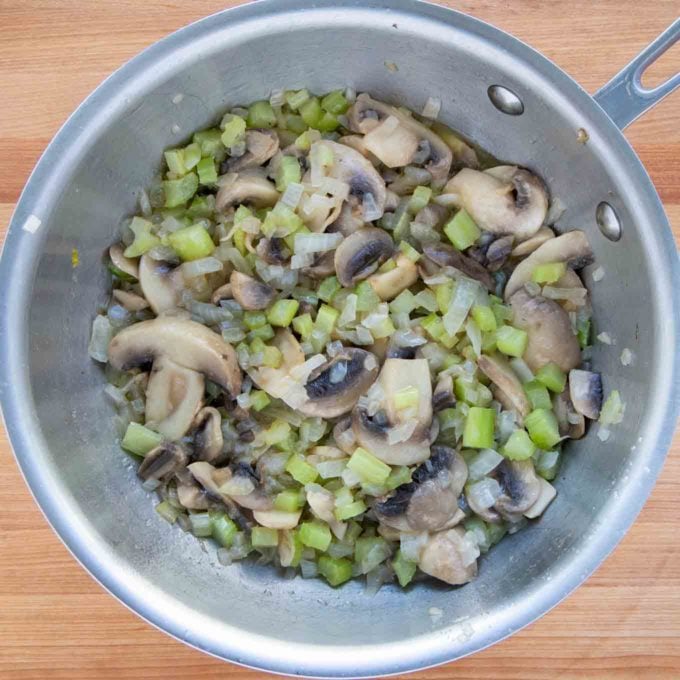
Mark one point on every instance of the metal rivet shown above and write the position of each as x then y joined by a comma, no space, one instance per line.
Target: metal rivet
505,100
608,221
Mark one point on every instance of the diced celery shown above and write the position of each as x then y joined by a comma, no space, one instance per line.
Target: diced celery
502,313
303,325
367,298
253,319
404,569
288,500
367,467
328,123
168,512
389,265
175,161
265,333
443,296
281,313
191,243
489,342
276,432
300,470
383,329
192,155
295,124
420,198
407,397
335,102
428,300
583,333
315,535
350,510
479,428
542,427
613,409
404,303
484,317
335,570
123,276
140,440
223,529
548,272
201,524
211,143
259,399
305,140
201,206
519,446
272,356
281,221
287,172
207,171
263,537
538,394
462,230
296,99
511,341
311,112
328,288
552,376
179,191
398,476
144,238
240,241
261,115
433,326
325,319
343,496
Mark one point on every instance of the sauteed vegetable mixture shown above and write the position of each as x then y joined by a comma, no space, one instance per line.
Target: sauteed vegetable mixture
345,341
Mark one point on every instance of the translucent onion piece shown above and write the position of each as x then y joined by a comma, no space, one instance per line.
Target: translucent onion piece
102,332
484,493
316,243
463,299
206,265
483,463
432,108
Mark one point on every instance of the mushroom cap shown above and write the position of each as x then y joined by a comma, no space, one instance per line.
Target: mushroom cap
572,248
550,335
186,343
372,432
125,264
163,461
322,267
442,557
447,256
334,388
499,371
161,283
208,438
430,501
348,220
261,145
361,253
391,142
571,424
502,200
247,186
520,487
545,497
174,395
387,285
585,390
362,119
249,292
273,250
443,396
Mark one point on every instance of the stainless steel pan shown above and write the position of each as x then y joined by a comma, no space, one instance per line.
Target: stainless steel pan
87,182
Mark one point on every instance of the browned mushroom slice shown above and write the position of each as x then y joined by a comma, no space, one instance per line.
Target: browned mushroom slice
361,253
430,501
444,556
502,200
261,145
572,248
248,186
499,371
162,462
186,343
388,285
447,256
250,293
550,336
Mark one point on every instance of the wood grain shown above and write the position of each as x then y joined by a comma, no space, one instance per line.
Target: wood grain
56,622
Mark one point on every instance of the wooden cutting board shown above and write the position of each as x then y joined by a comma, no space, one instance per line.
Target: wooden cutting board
56,622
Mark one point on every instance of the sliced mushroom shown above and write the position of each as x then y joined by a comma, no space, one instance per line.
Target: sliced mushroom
550,335
248,186
389,284
572,248
444,557
222,293
250,293
125,264
174,395
429,501
571,424
545,497
208,439
447,256
463,154
392,143
261,145
585,390
163,461
367,115
322,267
528,246
443,396
348,221
498,252
161,283
192,496
277,519
499,371
273,250
334,388
343,435
502,200
361,253
357,172
186,343
131,302
376,433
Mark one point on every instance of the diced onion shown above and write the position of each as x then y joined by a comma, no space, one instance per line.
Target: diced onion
206,265
412,545
370,208
316,243
331,469
302,372
475,336
308,569
627,357
521,369
576,296
484,493
292,195
408,338
102,332
276,98
483,463
598,274
402,432
300,261
237,486
469,550
605,338
463,299
349,311
432,108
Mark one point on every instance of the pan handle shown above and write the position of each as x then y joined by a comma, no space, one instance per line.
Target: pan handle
624,98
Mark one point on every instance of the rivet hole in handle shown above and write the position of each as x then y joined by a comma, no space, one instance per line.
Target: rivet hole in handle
623,97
